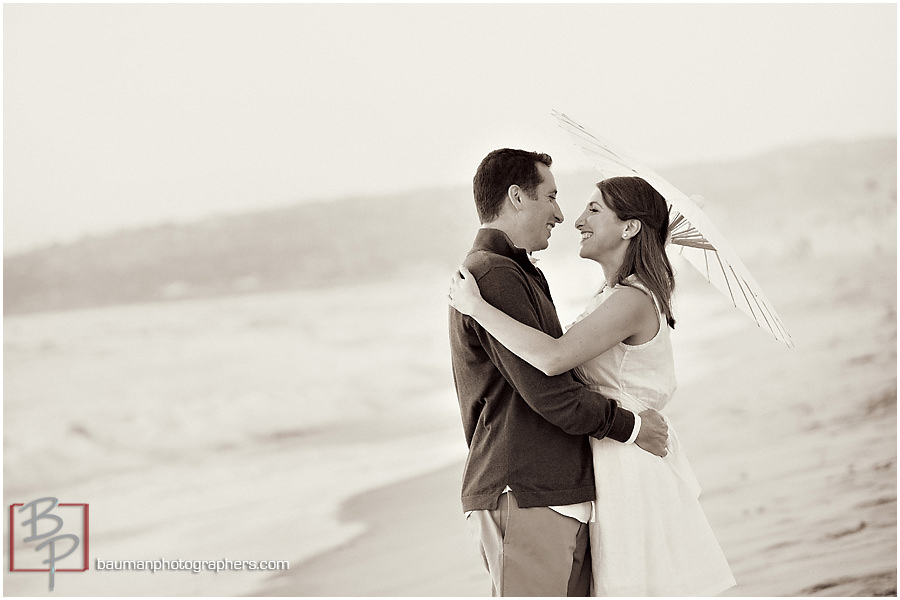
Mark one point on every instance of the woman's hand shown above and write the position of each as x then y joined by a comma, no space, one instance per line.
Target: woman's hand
464,293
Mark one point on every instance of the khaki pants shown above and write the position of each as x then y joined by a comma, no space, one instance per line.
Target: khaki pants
532,551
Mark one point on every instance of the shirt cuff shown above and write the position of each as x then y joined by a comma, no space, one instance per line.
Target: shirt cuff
636,430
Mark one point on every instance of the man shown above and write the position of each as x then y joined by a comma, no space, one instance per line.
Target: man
528,481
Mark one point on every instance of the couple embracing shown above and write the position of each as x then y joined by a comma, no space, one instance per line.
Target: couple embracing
574,483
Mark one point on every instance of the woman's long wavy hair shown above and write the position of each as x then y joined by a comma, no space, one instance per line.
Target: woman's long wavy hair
645,258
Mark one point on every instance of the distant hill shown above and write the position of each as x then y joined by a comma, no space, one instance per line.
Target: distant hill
790,192
307,245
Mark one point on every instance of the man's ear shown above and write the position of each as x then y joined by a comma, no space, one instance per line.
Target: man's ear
516,196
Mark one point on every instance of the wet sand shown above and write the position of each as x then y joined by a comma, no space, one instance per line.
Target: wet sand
415,544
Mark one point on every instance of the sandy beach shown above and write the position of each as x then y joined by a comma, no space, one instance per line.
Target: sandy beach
415,544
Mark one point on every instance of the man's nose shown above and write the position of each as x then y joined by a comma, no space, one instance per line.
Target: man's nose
557,213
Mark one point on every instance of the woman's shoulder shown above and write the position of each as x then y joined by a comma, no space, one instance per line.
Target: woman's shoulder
646,310
633,285
635,290
627,299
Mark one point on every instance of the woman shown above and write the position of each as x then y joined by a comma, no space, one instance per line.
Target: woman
649,536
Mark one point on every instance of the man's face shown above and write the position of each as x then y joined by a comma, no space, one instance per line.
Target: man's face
540,213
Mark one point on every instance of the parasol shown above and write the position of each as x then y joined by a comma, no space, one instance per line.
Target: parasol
698,240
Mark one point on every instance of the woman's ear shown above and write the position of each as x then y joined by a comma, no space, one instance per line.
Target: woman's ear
632,227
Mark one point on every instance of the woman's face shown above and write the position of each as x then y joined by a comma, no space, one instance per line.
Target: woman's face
601,230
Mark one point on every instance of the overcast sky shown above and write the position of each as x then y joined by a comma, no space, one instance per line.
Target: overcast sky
124,115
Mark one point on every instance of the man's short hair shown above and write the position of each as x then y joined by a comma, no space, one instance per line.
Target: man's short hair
501,169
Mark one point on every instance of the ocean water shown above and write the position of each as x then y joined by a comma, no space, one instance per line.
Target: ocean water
223,428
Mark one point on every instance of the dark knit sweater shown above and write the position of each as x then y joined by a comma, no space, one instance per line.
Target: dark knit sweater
523,428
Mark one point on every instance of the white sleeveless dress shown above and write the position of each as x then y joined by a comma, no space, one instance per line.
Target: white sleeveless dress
649,535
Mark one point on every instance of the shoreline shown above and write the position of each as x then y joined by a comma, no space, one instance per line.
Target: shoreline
419,548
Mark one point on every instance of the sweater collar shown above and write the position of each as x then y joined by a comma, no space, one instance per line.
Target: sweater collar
496,241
